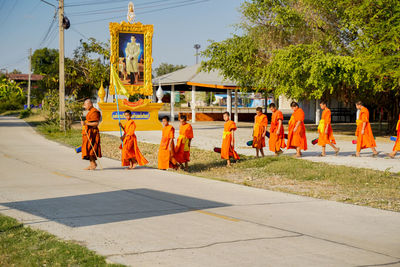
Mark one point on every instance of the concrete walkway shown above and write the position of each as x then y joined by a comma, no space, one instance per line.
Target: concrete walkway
211,136
148,217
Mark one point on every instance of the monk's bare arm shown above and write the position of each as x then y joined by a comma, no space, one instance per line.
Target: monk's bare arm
363,127
279,126
170,144
93,123
233,138
297,126
326,128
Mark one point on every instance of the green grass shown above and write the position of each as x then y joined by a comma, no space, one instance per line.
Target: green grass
378,189
24,246
11,112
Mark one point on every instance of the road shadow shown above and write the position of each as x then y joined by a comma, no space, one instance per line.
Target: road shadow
113,206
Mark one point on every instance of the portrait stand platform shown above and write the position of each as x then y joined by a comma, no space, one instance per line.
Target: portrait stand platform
145,116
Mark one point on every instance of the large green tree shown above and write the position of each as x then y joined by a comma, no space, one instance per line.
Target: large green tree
316,49
84,71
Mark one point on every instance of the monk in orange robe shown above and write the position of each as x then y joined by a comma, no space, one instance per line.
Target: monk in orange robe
325,130
365,137
228,140
276,131
396,147
297,130
166,157
91,149
259,131
131,155
182,148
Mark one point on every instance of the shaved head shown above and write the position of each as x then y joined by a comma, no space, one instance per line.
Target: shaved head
88,104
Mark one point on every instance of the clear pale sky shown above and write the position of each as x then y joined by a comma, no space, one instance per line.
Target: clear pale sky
178,25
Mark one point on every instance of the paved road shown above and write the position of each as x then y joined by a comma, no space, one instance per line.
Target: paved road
148,217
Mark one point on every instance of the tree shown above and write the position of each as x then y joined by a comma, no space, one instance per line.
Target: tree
84,71
89,66
11,95
316,49
166,68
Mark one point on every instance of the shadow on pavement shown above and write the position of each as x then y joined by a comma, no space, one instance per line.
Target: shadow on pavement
109,207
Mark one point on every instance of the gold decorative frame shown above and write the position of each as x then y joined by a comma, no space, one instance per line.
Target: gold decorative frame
137,28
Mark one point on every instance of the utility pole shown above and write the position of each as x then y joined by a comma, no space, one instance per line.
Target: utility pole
29,79
197,47
61,65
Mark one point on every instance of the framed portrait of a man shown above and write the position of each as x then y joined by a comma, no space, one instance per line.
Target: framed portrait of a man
131,46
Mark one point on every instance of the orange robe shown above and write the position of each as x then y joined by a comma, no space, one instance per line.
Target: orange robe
227,150
298,138
166,157
260,121
94,136
325,139
130,149
276,140
397,144
182,149
367,140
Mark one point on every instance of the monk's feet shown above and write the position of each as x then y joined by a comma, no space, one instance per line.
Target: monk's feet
133,166
297,156
374,155
390,155
90,168
322,155
357,155
337,151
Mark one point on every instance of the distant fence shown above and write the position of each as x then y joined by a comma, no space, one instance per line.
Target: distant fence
343,115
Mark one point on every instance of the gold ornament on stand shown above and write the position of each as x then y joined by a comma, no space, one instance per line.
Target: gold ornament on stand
131,13
101,93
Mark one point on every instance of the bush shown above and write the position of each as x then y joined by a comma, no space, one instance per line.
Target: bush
25,113
50,108
12,96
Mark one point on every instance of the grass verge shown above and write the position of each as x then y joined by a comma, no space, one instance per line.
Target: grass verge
24,246
364,187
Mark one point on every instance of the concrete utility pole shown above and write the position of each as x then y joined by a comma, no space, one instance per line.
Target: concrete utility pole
29,79
61,65
197,47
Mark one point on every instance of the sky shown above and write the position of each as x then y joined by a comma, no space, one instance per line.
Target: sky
178,25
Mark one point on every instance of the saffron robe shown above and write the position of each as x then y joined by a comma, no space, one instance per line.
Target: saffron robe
396,146
182,149
365,140
130,149
298,138
89,152
260,121
166,158
227,150
276,140
325,139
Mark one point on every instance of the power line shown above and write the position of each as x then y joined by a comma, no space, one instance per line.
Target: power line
137,7
46,35
48,3
94,3
78,32
145,12
9,12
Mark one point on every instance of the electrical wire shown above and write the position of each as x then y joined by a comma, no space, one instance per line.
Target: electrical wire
145,12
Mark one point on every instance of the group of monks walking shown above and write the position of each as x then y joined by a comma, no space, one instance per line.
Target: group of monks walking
171,155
